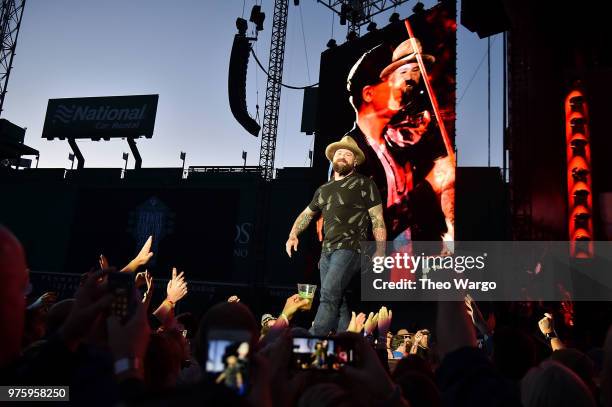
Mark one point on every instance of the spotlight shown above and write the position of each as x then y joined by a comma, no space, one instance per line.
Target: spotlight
352,36
371,27
418,8
395,17
331,43
257,17
255,12
242,25
259,26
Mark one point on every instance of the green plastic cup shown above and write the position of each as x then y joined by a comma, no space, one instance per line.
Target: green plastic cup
307,291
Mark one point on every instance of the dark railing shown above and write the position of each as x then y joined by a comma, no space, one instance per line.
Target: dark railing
225,169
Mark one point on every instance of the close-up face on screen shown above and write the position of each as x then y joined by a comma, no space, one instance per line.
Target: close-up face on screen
398,99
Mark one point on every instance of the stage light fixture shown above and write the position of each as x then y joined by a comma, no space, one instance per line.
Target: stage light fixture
371,27
344,10
394,18
242,25
296,2
255,12
259,26
331,43
257,17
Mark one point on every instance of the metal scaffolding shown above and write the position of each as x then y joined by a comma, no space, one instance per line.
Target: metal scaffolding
10,21
273,89
359,12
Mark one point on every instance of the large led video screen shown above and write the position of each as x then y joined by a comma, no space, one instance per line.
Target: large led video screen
394,93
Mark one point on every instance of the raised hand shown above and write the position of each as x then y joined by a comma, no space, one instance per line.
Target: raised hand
547,327
293,304
140,279
177,287
384,321
546,324
371,323
477,319
141,258
357,321
103,261
351,325
233,298
148,295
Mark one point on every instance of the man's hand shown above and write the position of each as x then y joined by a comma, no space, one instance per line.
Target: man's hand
177,287
546,324
233,298
300,224
141,258
292,243
442,175
293,304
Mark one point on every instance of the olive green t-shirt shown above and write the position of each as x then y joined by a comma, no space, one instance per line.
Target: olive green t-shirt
344,205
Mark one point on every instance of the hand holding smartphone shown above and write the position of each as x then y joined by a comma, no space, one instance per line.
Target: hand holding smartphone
228,359
121,285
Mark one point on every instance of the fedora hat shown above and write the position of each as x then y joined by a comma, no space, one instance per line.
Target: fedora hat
403,54
347,143
366,71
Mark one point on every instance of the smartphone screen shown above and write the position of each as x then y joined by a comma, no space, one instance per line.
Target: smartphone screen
320,353
228,359
121,285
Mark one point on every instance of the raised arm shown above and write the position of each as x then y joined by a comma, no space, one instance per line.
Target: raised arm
300,224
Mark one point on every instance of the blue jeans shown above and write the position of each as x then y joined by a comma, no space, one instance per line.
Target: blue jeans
337,269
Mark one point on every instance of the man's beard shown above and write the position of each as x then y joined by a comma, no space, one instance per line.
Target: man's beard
342,168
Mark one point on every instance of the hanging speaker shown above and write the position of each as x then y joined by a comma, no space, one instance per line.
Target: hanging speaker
236,84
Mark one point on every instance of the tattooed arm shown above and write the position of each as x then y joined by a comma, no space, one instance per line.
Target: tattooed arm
378,228
300,224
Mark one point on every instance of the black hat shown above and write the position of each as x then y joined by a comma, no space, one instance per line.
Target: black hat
366,70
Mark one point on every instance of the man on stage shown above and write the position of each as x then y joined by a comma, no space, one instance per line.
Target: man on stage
348,203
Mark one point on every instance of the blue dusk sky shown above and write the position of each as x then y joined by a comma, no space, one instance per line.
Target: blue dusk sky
180,50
